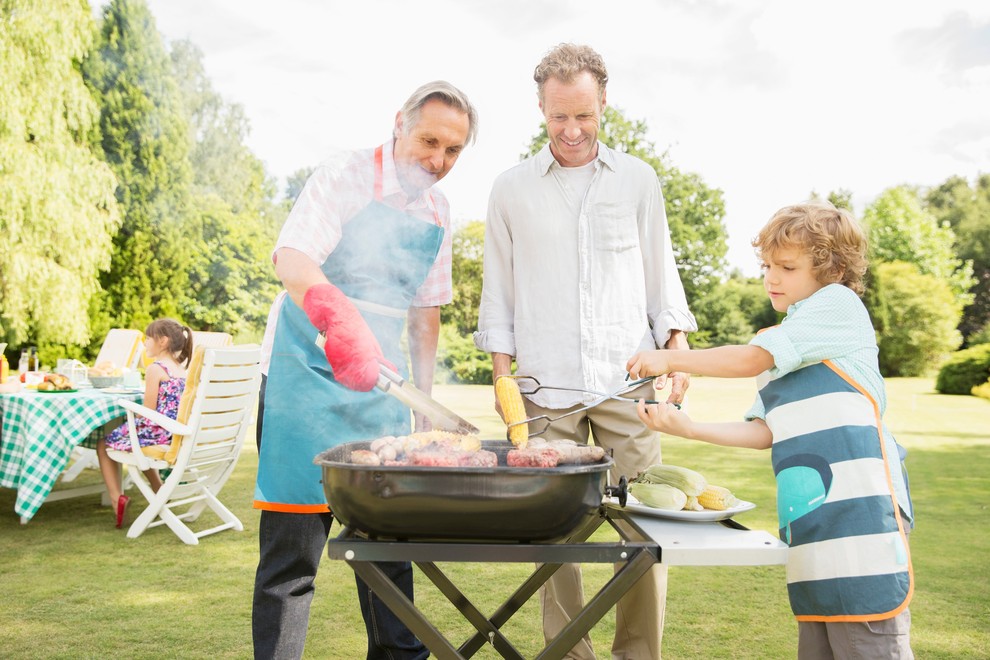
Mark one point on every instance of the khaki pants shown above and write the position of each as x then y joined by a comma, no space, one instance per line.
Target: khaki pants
639,614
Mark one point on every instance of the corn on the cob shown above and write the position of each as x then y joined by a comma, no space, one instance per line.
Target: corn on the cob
658,496
717,498
689,481
513,410
692,504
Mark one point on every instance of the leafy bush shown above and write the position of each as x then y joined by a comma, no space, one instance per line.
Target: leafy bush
964,371
460,360
982,391
981,336
915,317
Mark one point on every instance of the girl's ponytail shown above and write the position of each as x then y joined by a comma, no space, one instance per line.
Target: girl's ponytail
185,353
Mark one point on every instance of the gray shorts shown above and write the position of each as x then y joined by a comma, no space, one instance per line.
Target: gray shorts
869,640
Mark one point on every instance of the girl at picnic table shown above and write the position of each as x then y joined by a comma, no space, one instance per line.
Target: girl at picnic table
842,496
170,345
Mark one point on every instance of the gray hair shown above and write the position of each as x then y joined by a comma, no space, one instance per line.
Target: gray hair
440,90
566,62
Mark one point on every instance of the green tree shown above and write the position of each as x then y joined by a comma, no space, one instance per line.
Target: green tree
460,360
467,266
143,136
233,216
695,212
840,199
295,183
57,208
900,229
914,317
231,280
222,163
967,210
732,313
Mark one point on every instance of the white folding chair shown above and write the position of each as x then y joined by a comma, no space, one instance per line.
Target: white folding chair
124,348
212,339
215,413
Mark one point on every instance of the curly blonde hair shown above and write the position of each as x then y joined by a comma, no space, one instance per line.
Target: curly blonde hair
831,236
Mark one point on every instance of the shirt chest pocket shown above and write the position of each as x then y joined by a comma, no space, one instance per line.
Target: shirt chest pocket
613,226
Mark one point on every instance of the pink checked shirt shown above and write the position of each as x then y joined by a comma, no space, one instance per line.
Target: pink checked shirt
336,191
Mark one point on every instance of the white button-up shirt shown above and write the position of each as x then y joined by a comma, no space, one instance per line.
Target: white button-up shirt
575,285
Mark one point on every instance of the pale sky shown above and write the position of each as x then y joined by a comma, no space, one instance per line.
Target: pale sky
766,100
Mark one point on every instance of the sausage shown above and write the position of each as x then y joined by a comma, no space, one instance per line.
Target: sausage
365,457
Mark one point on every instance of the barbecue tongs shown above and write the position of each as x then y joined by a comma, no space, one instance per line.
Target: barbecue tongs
442,418
418,401
546,420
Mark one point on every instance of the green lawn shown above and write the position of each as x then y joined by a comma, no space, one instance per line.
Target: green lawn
74,587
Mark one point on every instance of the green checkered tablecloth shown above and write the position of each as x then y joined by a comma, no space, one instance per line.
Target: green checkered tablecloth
39,432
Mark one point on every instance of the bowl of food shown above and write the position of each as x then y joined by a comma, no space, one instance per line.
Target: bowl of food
105,374
101,382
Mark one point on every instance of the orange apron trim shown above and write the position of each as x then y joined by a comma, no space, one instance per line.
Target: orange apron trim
291,508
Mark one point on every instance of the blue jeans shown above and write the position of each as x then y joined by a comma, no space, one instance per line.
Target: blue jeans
291,546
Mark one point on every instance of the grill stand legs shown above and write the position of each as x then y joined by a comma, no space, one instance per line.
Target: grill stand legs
359,553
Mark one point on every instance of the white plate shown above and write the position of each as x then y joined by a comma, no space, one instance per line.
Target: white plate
632,504
120,390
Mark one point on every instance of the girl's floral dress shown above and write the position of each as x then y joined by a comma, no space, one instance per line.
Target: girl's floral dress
149,433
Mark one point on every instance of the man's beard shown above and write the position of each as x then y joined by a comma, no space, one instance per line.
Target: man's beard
413,178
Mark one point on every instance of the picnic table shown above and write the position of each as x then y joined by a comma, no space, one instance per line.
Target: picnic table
38,434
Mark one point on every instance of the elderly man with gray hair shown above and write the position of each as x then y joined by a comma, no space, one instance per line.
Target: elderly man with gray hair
578,270
366,247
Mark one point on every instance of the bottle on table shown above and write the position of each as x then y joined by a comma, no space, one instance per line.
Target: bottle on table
22,364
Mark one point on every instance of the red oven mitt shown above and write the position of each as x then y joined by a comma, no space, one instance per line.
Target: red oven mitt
351,348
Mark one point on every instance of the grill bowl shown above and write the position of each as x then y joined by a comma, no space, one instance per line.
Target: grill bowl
462,504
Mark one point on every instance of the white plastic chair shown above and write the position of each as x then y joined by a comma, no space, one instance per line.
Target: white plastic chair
215,415
124,348
212,339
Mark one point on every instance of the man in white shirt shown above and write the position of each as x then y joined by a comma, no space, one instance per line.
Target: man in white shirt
579,270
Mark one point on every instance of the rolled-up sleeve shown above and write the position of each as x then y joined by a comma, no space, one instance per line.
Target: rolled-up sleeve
667,307
829,324
777,343
496,332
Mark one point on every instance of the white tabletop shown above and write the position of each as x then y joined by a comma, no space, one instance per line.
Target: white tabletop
710,543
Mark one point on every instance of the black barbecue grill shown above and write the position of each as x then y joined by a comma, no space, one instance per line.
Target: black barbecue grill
505,514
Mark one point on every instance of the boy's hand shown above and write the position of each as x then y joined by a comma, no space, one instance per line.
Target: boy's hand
665,417
648,363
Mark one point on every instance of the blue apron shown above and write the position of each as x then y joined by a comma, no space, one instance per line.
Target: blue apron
383,256
848,557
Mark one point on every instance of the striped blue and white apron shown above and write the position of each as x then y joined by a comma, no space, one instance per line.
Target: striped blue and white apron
848,557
